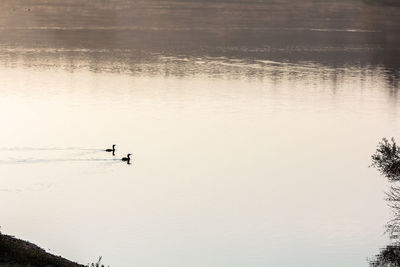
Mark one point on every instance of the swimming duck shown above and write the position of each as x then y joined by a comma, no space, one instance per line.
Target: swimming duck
111,150
127,158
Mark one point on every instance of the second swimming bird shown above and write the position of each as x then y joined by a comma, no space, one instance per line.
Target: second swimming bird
111,150
127,158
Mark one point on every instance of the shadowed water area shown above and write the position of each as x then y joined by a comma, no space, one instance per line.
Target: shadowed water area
250,124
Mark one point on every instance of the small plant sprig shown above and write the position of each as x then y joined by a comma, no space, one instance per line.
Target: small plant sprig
97,264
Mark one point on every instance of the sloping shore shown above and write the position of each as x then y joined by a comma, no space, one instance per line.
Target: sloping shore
17,252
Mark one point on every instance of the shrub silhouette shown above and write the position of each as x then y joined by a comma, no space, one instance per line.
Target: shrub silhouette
387,159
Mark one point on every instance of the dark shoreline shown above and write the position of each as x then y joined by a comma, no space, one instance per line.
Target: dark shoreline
17,252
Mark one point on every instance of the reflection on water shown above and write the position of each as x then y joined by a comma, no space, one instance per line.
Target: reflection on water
387,161
390,255
251,127
181,38
242,167
184,66
341,33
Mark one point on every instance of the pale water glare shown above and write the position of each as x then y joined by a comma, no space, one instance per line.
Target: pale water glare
251,125
233,170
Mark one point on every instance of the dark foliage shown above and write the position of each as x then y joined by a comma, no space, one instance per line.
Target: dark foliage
393,226
387,159
388,257
16,252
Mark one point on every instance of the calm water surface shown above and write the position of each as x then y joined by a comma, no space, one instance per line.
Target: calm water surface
242,160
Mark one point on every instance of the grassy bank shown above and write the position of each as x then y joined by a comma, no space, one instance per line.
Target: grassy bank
17,253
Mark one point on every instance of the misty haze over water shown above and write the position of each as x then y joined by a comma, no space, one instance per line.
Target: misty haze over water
332,33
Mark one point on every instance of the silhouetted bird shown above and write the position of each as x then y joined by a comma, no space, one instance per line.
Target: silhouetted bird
128,158
111,150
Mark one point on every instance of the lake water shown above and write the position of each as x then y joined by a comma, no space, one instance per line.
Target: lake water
251,134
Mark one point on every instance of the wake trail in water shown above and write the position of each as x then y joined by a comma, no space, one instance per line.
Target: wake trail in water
23,161
49,149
